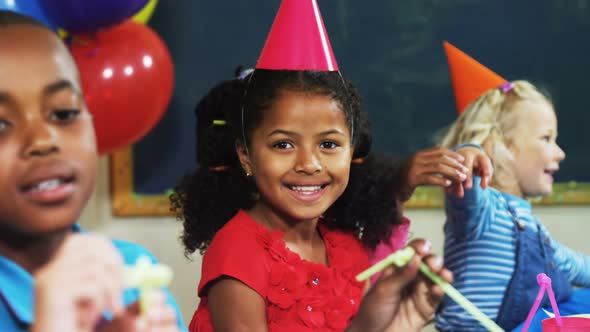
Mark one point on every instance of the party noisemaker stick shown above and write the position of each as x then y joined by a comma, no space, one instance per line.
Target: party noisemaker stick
146,277
402,257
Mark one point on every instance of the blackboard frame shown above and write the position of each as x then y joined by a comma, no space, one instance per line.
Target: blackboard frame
126,202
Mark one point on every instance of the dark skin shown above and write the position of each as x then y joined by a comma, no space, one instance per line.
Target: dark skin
314,151
46,134
402,299
442,167
47,173
291,149
478,163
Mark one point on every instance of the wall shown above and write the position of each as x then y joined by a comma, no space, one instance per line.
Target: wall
570,225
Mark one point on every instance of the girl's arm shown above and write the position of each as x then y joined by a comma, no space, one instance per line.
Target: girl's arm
468,205
236,307
574,264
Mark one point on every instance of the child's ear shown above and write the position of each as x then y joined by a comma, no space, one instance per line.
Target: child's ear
242,151
489,146
510,146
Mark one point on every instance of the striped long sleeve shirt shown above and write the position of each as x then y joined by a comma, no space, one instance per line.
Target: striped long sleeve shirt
480,246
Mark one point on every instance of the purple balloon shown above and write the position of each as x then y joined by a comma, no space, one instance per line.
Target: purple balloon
90,15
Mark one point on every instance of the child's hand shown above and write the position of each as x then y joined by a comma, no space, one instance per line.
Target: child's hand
84,278
160,317
403,299
435,166
478,163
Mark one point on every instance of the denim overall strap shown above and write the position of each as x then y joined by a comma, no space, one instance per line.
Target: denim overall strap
533,256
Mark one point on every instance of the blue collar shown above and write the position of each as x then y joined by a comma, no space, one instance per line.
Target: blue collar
520,208
517,202
17,288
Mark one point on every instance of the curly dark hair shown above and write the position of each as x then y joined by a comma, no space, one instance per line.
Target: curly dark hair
208,197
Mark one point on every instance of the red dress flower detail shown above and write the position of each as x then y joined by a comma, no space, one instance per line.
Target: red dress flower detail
300,295
323,297
286,285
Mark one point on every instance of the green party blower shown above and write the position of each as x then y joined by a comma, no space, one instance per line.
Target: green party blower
402,257
146,277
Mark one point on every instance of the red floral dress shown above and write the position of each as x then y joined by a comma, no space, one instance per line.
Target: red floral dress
299,295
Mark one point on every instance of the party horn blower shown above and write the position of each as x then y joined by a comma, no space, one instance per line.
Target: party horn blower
146,277
402,257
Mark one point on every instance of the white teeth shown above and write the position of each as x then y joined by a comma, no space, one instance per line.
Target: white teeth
306,190
47,185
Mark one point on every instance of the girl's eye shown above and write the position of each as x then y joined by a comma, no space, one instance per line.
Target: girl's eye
329,145
4,125
547,138
283,145
65,115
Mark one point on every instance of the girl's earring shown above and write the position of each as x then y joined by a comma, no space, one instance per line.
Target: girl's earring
247,171
361,230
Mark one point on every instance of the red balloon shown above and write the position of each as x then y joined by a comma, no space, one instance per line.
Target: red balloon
127,78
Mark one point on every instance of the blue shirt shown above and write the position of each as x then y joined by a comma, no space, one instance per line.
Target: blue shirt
480,249
17,289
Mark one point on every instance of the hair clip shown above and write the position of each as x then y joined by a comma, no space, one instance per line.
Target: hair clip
244,73
358,161
219,122
506,87
221,168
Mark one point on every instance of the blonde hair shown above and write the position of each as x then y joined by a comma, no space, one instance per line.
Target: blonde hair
489,121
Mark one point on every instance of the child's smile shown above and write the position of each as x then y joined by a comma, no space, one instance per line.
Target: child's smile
48,183
307,192
300,155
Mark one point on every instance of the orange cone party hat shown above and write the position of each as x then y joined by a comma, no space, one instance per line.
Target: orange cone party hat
298,40
470,78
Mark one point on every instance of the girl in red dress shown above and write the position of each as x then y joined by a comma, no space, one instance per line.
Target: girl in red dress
287,257
276,208
278,215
